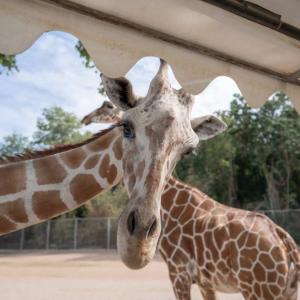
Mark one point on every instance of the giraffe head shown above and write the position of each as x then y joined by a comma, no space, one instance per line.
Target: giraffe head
107,113
157,132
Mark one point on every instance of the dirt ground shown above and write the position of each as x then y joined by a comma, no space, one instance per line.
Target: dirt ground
80,275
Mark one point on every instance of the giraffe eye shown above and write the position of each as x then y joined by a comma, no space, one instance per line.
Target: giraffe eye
189,151
128,130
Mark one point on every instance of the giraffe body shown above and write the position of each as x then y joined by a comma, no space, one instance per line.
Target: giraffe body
220,248
224,249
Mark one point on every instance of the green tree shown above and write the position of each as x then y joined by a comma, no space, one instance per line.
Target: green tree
256,162
109,204
86,59
267,142
14,144
58,127
8,63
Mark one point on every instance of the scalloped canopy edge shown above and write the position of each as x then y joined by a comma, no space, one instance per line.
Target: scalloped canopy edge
115,49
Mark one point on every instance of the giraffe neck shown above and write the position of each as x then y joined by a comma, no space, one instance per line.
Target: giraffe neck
38,189
178,195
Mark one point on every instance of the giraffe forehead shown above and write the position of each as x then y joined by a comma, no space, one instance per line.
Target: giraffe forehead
159,117
164,104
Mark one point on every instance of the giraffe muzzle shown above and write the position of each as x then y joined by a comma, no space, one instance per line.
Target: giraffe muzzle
136,228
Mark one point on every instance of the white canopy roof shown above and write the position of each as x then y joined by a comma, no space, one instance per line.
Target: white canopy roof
201,39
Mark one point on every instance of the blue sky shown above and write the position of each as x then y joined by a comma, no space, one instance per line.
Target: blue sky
52,73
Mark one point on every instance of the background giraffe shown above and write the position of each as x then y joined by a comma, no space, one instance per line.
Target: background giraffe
220,248
42,185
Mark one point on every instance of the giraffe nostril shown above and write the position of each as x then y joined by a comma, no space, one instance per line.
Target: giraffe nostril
152,228
131,223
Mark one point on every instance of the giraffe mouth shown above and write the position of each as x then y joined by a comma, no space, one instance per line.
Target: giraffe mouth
136,242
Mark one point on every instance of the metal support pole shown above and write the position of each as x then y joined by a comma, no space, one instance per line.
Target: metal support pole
108,233
22,239
75,232
48,230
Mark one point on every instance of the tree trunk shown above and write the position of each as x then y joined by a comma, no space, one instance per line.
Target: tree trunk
232,194
272,192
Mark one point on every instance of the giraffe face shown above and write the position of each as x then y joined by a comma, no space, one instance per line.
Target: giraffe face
157,131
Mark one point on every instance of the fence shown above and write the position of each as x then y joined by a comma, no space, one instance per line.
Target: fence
101,232
64,233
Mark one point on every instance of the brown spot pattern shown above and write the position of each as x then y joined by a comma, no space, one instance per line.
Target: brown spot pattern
73,158
182,198
6,225
84,187
13,178
49,171
107,170
92,162
47,204
168,198
118,148
14,210
102,143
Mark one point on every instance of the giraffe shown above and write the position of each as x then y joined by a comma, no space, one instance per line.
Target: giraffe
157,131
224,249
220,248
44,184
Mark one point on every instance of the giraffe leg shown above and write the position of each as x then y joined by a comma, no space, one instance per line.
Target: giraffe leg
181,283
182,287
208,294
292,285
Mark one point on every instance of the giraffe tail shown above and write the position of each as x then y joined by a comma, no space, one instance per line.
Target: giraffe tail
292,249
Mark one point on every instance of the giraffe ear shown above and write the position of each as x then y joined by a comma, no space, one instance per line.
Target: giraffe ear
119,92
208,126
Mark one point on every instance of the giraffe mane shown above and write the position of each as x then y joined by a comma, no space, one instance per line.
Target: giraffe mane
33,154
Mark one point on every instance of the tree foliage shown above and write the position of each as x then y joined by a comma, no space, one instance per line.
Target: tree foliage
109,204
7,63
58,127
256,162
14,144
87,61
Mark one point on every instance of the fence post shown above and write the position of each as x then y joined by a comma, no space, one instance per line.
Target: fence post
108,233
22,239
75,233
48,229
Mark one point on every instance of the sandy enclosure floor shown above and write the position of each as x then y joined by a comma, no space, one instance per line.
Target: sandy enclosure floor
80,275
